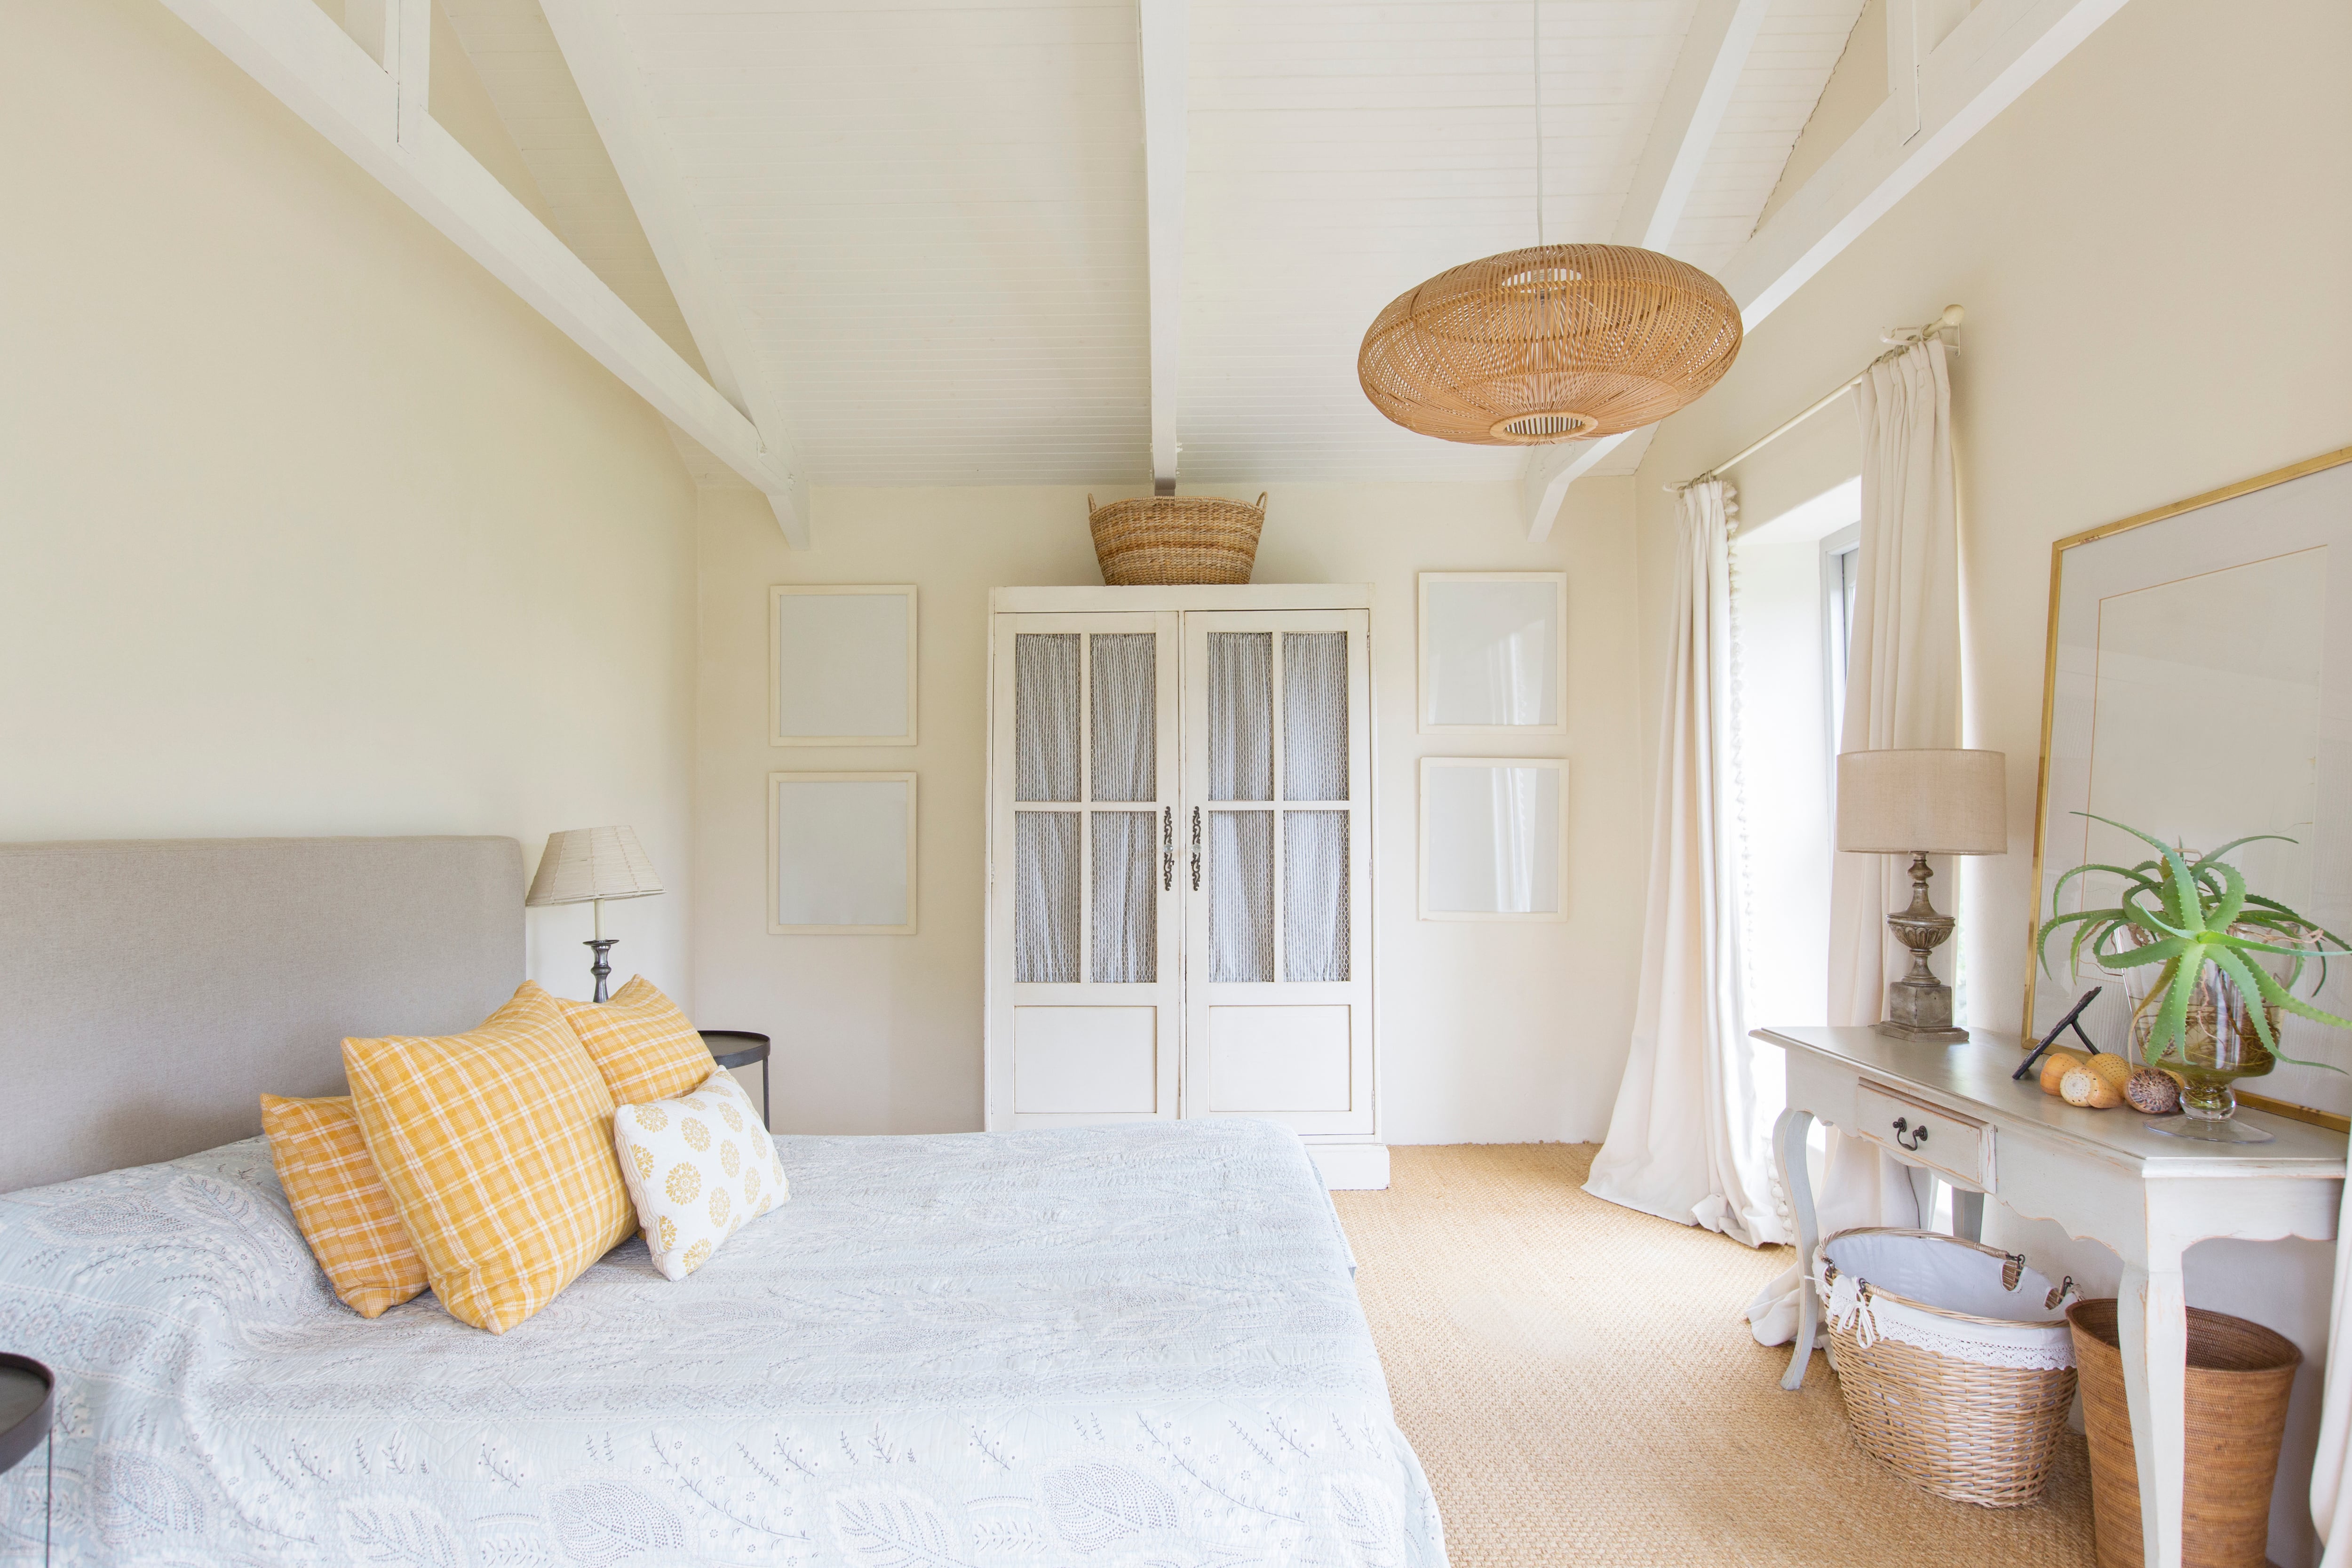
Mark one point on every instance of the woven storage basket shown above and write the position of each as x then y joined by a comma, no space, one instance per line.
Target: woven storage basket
1176,539
2240,1374
1966,1404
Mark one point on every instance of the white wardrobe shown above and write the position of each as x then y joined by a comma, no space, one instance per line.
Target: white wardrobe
1180,862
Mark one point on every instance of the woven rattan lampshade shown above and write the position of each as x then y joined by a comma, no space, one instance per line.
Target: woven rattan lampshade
1554,343
585,863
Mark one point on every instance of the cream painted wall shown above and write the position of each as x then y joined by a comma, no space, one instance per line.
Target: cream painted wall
1487,1033
2151,244
309,526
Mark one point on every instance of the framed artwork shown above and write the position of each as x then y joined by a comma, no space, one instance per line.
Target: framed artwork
1494,653
1493,839
841,665
841,854
2198,686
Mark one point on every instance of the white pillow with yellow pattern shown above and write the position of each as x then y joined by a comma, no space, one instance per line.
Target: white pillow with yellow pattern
697,1167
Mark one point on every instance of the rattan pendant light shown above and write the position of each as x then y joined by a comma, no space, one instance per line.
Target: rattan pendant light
1556,342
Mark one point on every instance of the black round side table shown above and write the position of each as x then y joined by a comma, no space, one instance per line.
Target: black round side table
28,1401
740,1049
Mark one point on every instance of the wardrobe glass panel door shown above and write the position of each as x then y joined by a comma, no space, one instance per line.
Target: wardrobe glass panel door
1277,1020
1084,965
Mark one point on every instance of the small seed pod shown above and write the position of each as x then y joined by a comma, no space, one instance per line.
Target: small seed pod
2055,1065
2112,1068
2152,1093
2086,1088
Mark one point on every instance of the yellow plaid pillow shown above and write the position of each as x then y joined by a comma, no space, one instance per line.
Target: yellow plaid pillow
641,1043
341,1205
496,1147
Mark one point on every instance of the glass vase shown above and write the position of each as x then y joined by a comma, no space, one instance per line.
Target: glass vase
2218,1046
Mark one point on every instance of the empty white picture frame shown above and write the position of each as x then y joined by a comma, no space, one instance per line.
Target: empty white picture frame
1493,839
841,854
840,664
1494,652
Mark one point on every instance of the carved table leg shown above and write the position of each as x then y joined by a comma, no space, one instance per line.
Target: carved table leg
2152,1318
1789,1136
1968,1215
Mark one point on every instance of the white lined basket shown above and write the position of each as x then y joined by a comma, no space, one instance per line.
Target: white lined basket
1954,1357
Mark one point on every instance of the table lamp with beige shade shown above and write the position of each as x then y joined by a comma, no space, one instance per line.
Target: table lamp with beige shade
1922,803
587,865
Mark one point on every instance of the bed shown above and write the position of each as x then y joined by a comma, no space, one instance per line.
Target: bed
1129,1345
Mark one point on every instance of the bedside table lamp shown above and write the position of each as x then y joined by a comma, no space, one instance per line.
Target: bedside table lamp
1921,803
589,865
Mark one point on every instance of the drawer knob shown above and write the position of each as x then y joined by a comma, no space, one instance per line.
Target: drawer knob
1907,1136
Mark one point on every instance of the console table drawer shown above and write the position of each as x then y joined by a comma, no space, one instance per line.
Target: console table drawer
1957,1146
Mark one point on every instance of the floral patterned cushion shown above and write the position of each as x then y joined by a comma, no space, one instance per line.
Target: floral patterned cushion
697,1167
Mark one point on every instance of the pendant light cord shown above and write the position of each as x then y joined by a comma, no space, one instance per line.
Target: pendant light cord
1535,30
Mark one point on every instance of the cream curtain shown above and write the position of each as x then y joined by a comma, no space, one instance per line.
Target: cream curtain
1689,1139
2331,1467
1903,690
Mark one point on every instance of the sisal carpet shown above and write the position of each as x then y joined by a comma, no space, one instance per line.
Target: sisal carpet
1579,1386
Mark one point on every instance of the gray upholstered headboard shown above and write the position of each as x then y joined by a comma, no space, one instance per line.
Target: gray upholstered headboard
155,989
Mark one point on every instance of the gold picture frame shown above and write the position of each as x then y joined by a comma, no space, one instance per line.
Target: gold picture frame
2244,548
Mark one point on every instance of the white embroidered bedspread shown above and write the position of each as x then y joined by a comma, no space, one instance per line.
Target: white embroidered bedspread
1127,1346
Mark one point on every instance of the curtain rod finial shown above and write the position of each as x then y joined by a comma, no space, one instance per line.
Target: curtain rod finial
1953,316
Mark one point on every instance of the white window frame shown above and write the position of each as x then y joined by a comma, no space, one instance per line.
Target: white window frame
1841,554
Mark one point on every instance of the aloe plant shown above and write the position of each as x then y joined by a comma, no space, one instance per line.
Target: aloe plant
2185,912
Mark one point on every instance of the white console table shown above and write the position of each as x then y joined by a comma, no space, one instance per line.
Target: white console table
1952,1112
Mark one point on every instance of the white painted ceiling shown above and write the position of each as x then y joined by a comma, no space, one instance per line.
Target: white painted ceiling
932,211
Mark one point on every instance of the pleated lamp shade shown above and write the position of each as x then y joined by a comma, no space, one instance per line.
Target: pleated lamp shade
1559,343
585,863
1904,801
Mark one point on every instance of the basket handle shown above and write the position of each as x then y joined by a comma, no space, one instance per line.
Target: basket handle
1260,500
1091,508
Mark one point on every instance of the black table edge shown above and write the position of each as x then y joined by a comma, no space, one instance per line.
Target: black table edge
29,1431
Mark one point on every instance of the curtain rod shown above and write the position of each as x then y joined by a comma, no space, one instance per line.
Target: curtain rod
1943,327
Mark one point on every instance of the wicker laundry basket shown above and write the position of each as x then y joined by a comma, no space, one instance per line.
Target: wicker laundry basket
1955,1359
1176,539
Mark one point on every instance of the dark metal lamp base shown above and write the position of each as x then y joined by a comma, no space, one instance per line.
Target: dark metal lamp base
603,968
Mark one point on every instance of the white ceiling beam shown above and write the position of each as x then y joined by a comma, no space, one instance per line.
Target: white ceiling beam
597,51
1165,29
1549,471
300,56
1980,67
398,35
1714,51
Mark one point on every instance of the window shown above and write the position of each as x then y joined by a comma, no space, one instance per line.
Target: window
1840,558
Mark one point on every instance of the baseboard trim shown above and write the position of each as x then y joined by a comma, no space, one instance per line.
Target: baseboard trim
1352,1167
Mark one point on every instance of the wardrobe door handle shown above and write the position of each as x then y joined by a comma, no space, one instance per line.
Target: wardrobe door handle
1168,848
1196,849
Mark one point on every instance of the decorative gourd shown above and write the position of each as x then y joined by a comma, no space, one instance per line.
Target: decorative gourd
2153,1093
2113,1067
2086,1088
2055,1065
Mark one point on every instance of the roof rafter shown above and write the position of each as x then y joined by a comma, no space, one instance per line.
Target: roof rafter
1713,52
300,56
596,50
1980,68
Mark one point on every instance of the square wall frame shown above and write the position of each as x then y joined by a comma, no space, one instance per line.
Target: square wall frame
842,664
842,854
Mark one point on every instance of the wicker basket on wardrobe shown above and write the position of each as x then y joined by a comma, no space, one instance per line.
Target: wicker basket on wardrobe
1960,1427
1176,539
